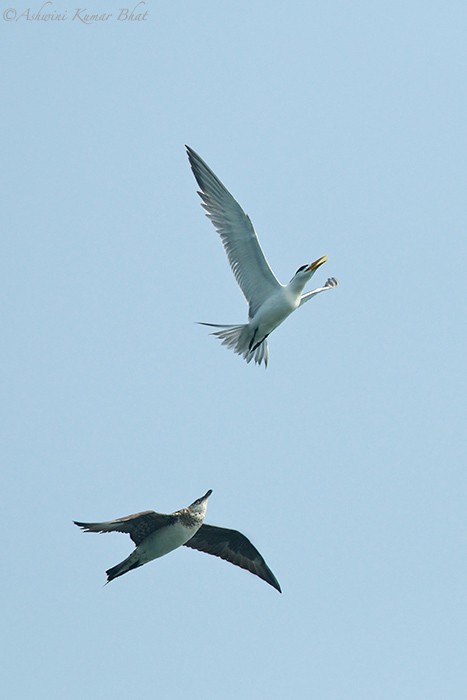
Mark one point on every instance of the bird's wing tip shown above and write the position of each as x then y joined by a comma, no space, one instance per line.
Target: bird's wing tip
332,282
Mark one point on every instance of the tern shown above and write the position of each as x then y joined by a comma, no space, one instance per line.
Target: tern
157,534
270,302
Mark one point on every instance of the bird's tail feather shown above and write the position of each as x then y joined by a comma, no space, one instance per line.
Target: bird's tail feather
131,562
239,339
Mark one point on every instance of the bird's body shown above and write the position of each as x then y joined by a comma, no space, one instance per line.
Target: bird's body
157,534
270,302
276,308
157,544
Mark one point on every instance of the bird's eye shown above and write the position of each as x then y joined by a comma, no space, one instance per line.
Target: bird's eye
300,269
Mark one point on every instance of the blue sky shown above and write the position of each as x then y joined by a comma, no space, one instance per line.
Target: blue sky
340,128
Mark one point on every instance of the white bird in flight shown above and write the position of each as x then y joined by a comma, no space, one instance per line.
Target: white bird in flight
270,302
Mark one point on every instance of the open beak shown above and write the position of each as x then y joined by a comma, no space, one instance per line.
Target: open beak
314,265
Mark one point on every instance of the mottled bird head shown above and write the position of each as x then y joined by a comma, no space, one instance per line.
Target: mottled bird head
201,504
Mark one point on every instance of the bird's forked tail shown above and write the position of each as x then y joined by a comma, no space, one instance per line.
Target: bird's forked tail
241,339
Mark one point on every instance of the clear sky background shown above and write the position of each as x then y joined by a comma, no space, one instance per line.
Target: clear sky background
340,127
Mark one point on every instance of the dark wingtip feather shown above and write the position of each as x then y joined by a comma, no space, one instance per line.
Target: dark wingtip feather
83,526
274,583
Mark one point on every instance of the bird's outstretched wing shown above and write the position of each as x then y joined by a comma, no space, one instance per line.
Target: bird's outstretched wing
251,269
233,547
138,526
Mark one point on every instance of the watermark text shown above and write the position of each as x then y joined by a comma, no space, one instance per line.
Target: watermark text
47,12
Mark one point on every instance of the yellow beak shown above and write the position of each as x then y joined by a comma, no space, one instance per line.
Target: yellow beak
314,265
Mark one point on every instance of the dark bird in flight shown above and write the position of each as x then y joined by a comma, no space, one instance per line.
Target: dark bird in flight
157,534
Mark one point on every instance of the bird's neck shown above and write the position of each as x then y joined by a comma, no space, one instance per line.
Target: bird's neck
188,518
297,284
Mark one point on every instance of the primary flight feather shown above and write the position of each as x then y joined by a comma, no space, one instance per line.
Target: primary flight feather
270,302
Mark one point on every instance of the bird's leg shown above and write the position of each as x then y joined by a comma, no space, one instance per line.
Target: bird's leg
252,340
258,343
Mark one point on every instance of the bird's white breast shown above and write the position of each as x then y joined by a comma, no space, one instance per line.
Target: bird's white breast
275,310
165,540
